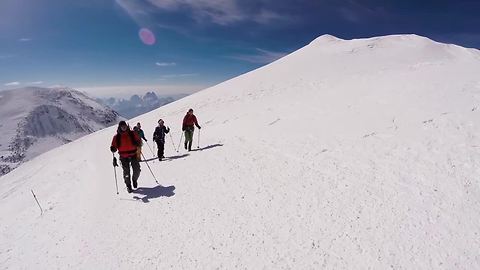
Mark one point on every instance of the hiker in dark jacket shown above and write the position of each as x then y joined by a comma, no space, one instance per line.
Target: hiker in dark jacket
159,138
188,127
126,142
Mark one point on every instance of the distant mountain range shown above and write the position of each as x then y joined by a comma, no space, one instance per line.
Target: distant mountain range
35,120
137,105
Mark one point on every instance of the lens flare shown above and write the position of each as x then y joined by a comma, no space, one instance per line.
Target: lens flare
146,36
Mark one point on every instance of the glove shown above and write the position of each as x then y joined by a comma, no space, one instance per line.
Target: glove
199,127
145,139
183,129
113,149
115,164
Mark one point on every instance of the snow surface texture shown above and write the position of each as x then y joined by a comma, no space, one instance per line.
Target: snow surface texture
359,154
35,120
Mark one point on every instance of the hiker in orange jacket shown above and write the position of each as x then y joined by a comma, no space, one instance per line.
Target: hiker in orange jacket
126,142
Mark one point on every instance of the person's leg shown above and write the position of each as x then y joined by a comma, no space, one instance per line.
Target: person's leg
190,142
161,150
126,172
136,171
159,153
188,137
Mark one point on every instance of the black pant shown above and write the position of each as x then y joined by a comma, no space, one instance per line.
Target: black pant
126,170
188,145
188,138
161,148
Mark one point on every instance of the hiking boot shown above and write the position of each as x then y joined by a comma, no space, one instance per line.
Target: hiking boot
129,190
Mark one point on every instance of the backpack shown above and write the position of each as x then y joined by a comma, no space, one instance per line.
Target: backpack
132,138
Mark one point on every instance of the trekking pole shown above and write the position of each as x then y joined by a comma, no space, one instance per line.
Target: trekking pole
35,197
181,137
198,144
150,169
115,164
150,149
171,138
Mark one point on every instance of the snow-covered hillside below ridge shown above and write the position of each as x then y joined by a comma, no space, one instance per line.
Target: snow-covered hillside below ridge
34,120
346,154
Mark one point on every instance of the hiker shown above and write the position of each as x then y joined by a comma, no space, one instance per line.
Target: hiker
159,138
126,142
188,127
141,135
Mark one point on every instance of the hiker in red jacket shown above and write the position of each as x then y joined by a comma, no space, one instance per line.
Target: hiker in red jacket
188,127
126,142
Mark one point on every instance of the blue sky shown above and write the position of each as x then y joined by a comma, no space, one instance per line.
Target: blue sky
95,45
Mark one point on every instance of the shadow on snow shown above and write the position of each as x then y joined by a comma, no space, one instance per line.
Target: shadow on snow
208,147
166,158
177,157
184,155
152,193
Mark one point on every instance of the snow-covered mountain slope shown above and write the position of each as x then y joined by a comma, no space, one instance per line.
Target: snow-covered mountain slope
358,154
35,120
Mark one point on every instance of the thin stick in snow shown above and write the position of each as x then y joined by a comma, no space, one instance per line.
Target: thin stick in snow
181,137
198,144
171,138
150,149
146,162
35,197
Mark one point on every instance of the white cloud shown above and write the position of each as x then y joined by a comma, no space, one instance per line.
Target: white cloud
37,82
221,12
12,84
169,76
261,57
57,86
266,16
163,64
25,39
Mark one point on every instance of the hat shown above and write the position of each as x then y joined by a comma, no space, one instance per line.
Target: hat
160,121
190,110
122,123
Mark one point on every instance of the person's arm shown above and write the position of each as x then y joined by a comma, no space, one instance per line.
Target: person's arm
196,123
166,129
183,124
155,134
113,146
142,135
